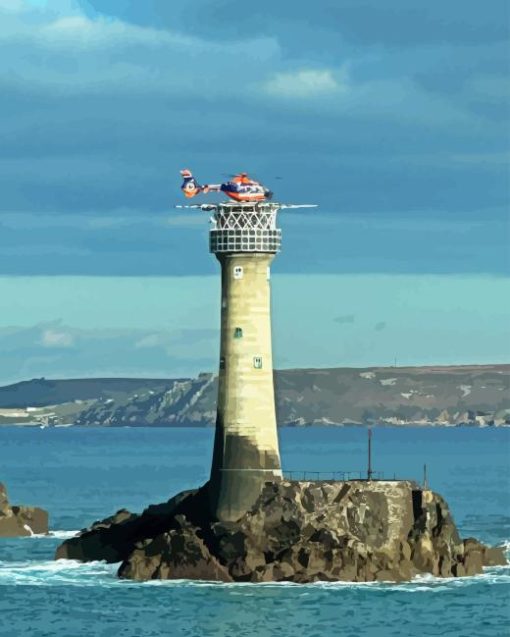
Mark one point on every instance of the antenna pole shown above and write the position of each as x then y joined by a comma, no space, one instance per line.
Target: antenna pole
425,481
369,469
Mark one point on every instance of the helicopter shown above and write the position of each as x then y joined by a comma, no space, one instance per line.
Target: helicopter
240,188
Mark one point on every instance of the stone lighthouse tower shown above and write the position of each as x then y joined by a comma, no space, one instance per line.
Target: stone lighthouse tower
245,239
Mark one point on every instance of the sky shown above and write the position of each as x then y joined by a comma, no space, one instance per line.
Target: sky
393,117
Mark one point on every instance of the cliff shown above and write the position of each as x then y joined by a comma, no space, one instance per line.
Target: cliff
297,531
445,396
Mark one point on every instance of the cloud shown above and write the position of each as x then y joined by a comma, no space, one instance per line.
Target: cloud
329,24
56,350
139,243
182,313
107,56
304,83
12,6
345,319
102,103
378,327
169,340
150,340
54,338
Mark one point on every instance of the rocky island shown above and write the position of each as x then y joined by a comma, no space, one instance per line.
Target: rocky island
19,521
357,531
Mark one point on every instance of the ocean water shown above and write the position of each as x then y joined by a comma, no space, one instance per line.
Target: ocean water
81,475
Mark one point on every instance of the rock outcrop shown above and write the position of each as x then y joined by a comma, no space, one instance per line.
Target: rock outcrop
355,531
19,521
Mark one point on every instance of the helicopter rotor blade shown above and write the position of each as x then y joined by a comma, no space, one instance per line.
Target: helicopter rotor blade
206,207
293,206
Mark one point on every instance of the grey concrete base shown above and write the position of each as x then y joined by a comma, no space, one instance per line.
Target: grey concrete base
239,472
233,492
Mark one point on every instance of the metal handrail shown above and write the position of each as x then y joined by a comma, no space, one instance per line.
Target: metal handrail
325,476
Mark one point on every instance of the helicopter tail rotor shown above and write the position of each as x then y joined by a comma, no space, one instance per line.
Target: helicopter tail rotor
190,186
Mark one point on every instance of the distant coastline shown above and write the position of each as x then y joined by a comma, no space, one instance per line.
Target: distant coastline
467,395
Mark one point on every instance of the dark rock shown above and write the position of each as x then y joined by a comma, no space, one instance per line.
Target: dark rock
115,537
296,531
19,521
177,554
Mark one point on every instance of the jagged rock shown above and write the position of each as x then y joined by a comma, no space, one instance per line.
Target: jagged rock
297,531
115,537
475,553
177,554
19,521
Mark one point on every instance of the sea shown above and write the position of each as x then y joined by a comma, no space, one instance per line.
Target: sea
83,474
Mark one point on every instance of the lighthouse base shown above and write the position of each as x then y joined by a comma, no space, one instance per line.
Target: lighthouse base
239,472
234,491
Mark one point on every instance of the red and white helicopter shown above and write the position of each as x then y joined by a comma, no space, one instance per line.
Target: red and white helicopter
239,188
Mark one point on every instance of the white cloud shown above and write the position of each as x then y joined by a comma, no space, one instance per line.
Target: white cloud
307,83
12,6
64,51
79,31
150,340
55,338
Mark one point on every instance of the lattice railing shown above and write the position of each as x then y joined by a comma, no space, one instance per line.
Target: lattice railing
246,227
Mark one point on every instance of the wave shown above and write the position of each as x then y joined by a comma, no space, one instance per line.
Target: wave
55,572
61,534
57,533
73,572
421,583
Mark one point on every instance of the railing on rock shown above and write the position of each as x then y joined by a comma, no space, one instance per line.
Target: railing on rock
325,476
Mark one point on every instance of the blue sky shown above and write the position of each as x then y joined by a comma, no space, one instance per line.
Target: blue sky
393,117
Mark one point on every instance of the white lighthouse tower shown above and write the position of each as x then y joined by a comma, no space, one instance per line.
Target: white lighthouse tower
244,237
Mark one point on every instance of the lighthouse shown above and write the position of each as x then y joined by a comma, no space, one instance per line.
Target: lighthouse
245,238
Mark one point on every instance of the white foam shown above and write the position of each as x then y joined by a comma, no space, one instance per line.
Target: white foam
388,381
73,572
62,535
51,572
420,584
58,534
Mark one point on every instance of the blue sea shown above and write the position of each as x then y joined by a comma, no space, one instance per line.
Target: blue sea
81,475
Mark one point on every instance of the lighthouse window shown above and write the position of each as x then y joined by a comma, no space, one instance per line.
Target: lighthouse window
257,362
238,332
238,272
222,362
